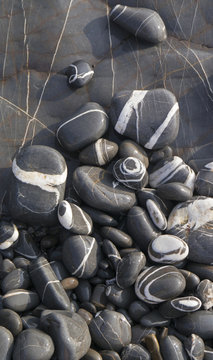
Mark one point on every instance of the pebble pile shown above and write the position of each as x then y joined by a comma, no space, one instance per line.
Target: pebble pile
120,267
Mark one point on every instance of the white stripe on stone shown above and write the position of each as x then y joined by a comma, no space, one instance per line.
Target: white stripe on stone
7,243
66,219
83,262
99,152
87,223
122,11
47,284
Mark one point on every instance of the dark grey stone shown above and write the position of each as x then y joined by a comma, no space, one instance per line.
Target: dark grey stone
6,343
161,154
84,290
151,194
10,320
99,153
202,270
137,309
111,252
175,191
6,266
131,172
154,319
172,348
204,180
130,148
110,355
26,246
118,237
205,293
79,73
30,322
192,280
179,307
129,268
21,262
16,279
135,352
200,323
99,217
8,234
59,269
20,300
195,347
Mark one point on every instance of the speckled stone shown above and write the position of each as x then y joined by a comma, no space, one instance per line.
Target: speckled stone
157,284
200,322
131,172
151,126
47,285
205,293
145,24
98,188
130,148
81,255
6,343
16,279
71,134
73,218
129,268
179,307
110,330
33,344
10,320
175,191
8,234
195,347
118,237
79,73
204,181
99,153
135,352
20,300
37,185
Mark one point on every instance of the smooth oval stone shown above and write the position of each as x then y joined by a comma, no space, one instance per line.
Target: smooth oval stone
205,293
171,170
73,218
8,234
192,280
145,194
192,221
129,268
121,298
200,322
137,309
83,290
16,279
59,270
160,154
175,191
201,270
130,148
20,300
156,214
30,322
118,237
69,332
81,255
98,297
21,262
131,172
110,330
10,320
38,185
71,134
26,246
86,315
135,352
98,189
69,283
99,217
6,266
145,24
153,346
92,355
172,348
168,249
139,333
153,127
110,355
79,73
204,181
49,288
90,307
111,252
157,284
138,219
195,347
6,343
99,153
33,344
154,319
179,307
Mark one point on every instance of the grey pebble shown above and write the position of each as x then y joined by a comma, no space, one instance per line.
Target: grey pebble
178,307
130,148
200,322
137,309
10,320
121,298
20,300
175,191
204,180
160,154
79,73
118,237
129,268
16,279
154,319
172,348
99,153
6,343
99,217
135,352
205,293
131,172
195,347
8,234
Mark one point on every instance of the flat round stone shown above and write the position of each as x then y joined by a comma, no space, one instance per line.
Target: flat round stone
168,249
37,185
157,284
33,344
8,234
131,172
11,320
79,73
98,189
133,115
130,148
135,352
20,300
99,153
174,191
129,268
71,134
110,330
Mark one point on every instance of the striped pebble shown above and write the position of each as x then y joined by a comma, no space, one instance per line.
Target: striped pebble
157,284
131,172
156,214
8,234
168,249
99,153
79,73
73,218
20,300
179,307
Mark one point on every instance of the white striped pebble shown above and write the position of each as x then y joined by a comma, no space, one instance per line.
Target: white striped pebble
131,172
8,235
156,214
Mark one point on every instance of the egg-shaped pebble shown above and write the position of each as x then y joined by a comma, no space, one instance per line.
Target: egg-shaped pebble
73,218
205,293
204,180
99,153
168,249
38,185
16,279
71,133
171,170
133,115
199,322
156,214
8,234
129,148
79,73
195,347
157,284
135,352
99,217
174,191
110,330
178,307
118,237
11,320
172,348
129,267
20,300
6,343
192,280
131,172
145,24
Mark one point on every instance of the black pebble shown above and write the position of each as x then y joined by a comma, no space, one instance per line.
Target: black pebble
79,73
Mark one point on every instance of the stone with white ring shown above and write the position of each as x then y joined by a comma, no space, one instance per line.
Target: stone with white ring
8,234
131,172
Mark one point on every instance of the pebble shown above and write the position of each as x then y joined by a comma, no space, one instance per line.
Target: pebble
71,134
86,315
91,308
121,298
59,269
99,217
6,343
83,290
110,330
131,172
154,319
137,219
37,185
33,344
111,252
79,73
129,268
20,300
155,213
6,266
195,347
157,284
204,181
129,148
205,293
139,333
73,218
135,352
172,348
137,309
81,255
172,170
201,270
200,322
153,346
11,321
92,355
192,280
98,297
179,307
98,188
30,322
168,249
47,285
145,24
160,154
16,279
151,194
99,153
69,283
26,246
110,355
8,234
153,127
118,237
69,332
174,191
